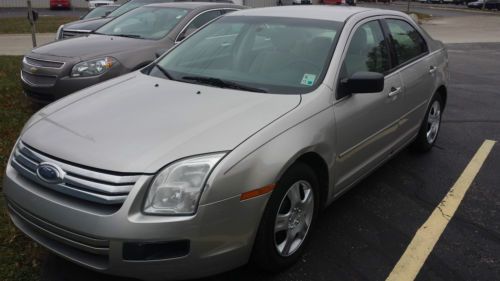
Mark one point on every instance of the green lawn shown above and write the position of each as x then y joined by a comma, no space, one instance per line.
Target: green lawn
18,254
43,25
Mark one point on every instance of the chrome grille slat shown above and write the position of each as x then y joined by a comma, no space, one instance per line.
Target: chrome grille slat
103,188
25,161
68,189
81,183
112,179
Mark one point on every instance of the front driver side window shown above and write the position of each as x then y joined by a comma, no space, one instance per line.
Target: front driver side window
367,51
198,22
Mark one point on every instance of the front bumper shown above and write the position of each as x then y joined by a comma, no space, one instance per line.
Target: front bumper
61,88
220,235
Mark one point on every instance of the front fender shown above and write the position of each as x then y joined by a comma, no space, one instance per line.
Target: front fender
264,158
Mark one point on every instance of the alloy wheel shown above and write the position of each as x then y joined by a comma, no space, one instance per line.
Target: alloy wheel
294,218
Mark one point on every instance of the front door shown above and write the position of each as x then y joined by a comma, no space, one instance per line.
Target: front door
367,124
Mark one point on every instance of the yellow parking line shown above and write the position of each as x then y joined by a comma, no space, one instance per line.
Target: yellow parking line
426,237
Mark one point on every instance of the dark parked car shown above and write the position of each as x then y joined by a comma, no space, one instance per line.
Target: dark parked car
490,4
127,43
86,26
100,12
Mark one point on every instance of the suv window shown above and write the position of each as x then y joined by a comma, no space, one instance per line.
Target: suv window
198,22
408,43
367,51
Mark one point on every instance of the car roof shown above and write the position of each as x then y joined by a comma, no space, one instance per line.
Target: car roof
196,5
319,12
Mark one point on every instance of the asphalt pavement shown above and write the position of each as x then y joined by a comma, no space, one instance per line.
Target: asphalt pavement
365,232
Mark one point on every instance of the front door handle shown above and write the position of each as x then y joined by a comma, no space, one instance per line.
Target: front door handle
432,69
394,92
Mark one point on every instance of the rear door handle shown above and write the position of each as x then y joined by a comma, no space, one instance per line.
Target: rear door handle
394,92
432,69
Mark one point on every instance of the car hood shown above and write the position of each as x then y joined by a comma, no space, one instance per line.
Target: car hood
91,46
142,123
88,24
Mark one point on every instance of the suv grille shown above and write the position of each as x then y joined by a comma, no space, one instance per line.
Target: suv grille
82,183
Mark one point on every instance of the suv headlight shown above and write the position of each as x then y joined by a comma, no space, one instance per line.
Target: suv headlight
177,188
92,67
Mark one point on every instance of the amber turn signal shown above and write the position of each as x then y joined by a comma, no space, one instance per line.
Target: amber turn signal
257,192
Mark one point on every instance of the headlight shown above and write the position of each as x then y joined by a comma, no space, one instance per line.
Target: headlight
59,32
92,67
177,188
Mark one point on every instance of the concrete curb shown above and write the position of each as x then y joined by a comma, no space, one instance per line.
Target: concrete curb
20,44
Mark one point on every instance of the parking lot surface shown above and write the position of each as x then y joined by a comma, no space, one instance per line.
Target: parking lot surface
364,233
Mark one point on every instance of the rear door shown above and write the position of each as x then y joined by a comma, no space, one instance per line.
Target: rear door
417,68
367,124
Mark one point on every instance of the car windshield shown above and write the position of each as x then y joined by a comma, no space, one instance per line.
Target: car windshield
132,5
99,12
144,23
263,54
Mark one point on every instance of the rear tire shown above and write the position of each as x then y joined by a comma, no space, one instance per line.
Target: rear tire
429,129
288,219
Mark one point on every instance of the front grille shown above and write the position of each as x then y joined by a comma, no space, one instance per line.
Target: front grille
38,80
71,33
43,63
89,250
82,183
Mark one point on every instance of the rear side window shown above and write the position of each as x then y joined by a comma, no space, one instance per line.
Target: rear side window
408,43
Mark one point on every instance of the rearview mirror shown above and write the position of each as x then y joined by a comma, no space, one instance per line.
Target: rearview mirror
363,82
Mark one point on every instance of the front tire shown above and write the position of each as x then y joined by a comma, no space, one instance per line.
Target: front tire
286,224
429,129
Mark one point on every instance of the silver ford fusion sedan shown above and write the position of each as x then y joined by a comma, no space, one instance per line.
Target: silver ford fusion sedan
225,149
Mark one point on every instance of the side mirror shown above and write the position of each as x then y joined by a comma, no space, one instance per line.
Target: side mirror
363,83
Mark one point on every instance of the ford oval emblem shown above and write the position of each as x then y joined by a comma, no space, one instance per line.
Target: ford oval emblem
50,173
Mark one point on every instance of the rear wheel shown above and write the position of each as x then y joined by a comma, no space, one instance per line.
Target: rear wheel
287,220
429,129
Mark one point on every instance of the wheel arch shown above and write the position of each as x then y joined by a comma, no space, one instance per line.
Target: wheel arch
320,168
443,91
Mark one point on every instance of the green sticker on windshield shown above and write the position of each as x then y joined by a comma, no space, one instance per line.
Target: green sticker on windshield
308,79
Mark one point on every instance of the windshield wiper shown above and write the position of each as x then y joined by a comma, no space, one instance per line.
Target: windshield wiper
223,83
128,36
164,71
